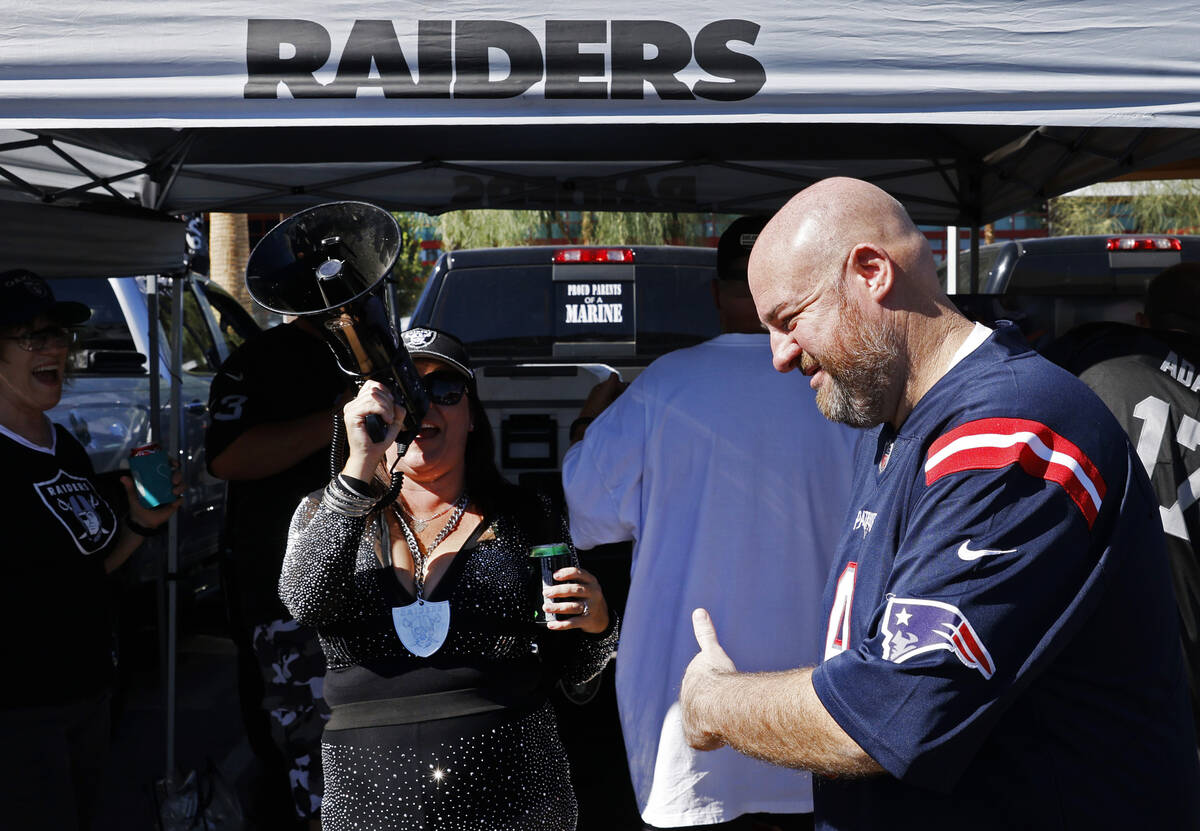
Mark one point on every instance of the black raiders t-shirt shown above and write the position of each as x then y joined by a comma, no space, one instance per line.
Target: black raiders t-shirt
281,374
1151,382
54,598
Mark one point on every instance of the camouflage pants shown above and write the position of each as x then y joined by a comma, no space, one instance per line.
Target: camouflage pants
293,669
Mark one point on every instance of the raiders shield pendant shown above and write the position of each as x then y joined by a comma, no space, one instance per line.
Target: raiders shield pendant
422,626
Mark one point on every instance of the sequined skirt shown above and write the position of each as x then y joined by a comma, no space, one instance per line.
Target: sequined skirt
499,771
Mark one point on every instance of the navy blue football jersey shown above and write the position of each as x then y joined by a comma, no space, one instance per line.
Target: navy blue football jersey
1002,637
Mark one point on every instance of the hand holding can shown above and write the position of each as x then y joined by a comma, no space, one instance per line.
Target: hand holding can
151,471
551,558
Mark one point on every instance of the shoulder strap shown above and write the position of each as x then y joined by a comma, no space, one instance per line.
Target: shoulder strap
472,540
397,593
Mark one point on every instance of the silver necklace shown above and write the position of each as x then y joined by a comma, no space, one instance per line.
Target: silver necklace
419,525
459,507
422,626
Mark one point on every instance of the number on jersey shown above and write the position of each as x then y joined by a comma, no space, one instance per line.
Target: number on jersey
837,637
1155,414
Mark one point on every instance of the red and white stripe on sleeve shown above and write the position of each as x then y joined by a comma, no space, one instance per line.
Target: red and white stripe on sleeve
993,443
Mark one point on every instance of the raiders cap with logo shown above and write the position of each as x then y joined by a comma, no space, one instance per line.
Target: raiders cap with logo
442,346
24,296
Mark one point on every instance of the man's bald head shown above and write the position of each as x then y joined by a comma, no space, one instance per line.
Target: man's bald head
823,223
845,285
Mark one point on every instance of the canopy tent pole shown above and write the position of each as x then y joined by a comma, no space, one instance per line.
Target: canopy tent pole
951,259
175,443
168,583
975,259
154,434
972,175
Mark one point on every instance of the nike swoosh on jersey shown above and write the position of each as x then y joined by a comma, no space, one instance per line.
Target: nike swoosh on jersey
965,552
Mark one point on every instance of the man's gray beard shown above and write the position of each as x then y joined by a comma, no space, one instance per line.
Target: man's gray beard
861,376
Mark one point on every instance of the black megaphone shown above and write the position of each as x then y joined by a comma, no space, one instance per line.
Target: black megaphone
329,263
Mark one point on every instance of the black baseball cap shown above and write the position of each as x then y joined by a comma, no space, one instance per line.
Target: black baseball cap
443,346
735,244
24,296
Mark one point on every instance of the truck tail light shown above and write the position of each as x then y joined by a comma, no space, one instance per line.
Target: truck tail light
1144,244
593,255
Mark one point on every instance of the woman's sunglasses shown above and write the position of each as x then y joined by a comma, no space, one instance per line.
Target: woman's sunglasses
445,388
53,337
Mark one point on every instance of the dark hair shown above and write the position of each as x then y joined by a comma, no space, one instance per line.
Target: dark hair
486,484
532,509
1173,298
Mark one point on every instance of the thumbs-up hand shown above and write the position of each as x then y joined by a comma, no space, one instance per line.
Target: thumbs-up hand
698,683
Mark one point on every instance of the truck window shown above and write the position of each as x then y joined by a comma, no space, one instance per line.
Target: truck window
106,328
498,311
674,307
513,312
233,322
104,343
200,354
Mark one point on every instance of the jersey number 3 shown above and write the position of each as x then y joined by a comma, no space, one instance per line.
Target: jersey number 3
229,408
1154,413
837,636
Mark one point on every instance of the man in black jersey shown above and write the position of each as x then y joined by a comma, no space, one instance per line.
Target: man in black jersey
272,406
1149,376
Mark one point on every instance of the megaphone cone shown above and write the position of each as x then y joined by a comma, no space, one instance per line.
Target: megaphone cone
322,258
329,262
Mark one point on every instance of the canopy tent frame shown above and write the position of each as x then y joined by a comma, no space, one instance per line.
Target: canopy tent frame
962,179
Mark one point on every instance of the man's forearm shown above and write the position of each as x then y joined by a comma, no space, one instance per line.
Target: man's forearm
267,449
777,717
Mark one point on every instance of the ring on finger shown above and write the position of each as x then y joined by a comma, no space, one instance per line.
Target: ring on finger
585,609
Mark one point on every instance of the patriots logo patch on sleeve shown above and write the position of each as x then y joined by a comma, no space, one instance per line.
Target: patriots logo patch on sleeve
914,627
993,443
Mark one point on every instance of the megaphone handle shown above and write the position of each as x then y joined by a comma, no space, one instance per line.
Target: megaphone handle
376,428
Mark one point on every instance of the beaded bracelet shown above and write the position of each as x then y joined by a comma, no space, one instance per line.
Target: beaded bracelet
342,499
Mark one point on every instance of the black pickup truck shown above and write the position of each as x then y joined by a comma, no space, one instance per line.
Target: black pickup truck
1050,285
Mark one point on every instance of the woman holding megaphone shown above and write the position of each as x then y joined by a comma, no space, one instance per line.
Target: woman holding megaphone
427,610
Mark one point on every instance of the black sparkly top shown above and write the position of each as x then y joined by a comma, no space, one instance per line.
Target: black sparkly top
333,580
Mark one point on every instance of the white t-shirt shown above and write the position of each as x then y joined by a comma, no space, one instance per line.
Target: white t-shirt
734,488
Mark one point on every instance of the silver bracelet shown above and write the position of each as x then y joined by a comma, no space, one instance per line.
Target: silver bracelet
342,500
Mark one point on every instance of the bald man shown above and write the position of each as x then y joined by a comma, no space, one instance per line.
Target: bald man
1002,649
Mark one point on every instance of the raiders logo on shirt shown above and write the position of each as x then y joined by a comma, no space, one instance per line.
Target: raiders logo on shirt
88,518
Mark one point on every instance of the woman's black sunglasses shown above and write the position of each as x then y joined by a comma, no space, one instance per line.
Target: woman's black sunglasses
53,337
445,388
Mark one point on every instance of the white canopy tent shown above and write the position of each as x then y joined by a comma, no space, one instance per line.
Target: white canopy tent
965,110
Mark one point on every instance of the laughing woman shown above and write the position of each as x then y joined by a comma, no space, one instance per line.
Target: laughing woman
63,535
438,675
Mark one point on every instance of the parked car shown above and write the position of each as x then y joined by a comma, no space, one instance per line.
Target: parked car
106,401
1049,285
